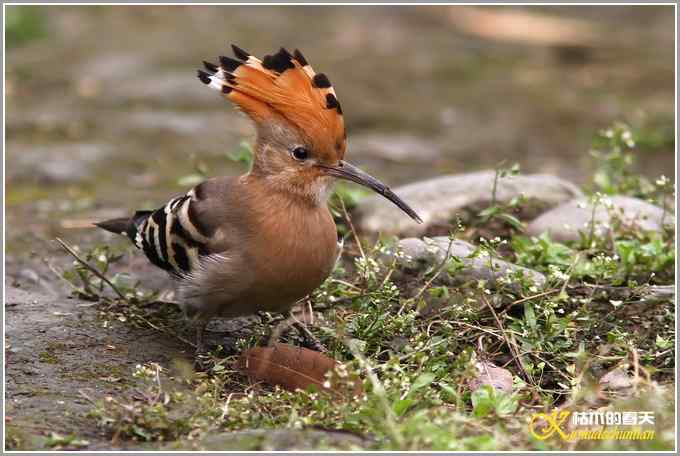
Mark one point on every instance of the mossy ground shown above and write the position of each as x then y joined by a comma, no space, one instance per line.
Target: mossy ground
414,343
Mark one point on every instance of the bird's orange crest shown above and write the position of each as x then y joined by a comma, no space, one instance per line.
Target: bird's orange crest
282,85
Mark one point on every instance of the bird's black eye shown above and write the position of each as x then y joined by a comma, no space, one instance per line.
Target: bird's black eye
300,153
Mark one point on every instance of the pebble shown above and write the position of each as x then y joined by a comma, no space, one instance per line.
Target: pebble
566,221
438,200
420,253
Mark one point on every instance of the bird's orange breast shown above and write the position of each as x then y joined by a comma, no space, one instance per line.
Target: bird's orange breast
292,250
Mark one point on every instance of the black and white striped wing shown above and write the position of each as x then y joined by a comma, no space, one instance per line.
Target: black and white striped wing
171,236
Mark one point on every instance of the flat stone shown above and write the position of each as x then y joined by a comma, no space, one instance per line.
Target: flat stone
566,221
274,440
64,163
438,200
418,253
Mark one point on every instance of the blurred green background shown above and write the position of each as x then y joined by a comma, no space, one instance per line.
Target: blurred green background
105,113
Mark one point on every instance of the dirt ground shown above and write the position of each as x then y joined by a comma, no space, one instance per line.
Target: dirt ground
105,115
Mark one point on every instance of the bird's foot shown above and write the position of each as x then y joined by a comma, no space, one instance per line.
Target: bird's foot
201,355
309,340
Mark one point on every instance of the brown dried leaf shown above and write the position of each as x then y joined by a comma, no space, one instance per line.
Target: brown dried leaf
292,368
489,374
617,380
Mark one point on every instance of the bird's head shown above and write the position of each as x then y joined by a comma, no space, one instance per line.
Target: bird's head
301,138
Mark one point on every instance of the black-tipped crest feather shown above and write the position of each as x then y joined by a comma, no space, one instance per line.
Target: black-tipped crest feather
240,53
229,64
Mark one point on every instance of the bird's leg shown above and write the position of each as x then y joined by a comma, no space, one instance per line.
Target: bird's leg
309,339
200,326
201,361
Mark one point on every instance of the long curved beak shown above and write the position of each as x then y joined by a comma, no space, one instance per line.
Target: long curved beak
351,173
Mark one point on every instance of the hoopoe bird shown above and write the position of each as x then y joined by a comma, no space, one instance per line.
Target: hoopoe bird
261,241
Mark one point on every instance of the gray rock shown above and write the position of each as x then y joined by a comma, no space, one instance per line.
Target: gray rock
274,440
616,380
176,122
416,253
439,200
65,163
564,222
172,89
400,148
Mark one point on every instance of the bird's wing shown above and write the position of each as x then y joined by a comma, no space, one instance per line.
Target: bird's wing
179,236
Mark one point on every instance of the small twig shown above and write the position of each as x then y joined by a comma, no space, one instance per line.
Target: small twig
438,271
81,291
529,298
289,322
480,344
86,397
347,298
557,370
303,326
157,378
636,366
510,343
164,331
351,227
279,330
92,269
573,264
345,283
225,407
96,272
591,234
478,328
646,293
379,391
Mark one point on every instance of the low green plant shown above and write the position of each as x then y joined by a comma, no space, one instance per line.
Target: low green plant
243,155
24,24
613,149
413,336
488,400
503,211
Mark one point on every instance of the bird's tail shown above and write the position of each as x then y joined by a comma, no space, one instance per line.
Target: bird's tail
126,226
117,225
